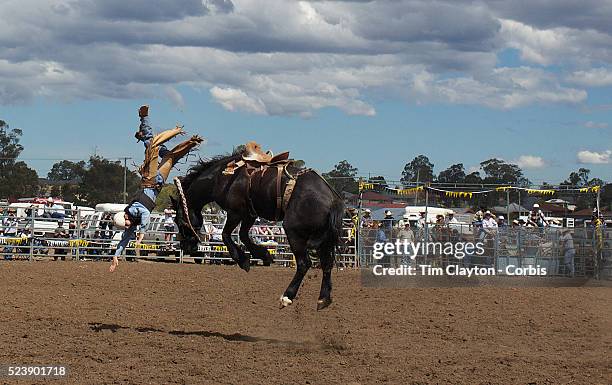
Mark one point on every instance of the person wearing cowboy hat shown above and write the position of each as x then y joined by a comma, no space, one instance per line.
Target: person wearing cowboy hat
450,218
366,220
489,224
406,235
388,220
402,222
537,216
501,221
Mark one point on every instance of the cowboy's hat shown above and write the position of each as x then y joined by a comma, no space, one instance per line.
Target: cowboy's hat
119,220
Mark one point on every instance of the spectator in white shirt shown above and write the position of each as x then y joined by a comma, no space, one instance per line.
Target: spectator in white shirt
489,224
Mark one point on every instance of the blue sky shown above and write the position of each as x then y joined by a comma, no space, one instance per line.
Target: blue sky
324,80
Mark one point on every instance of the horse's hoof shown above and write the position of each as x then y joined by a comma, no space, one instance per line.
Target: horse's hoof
323,303
246,266
285,301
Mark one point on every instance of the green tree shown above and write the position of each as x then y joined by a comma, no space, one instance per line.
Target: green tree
16,178
66,171
453,174
342,177
419,169
23,180
163,198
473,178
102,181
499,172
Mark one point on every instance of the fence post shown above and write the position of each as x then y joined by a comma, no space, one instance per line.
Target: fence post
31,256
355,246
78,233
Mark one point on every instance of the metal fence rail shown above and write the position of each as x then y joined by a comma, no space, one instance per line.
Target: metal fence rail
516,246
83,234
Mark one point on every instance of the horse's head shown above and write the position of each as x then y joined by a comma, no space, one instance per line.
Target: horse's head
186,233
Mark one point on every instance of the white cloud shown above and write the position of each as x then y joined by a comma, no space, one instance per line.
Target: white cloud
530,162
504,88
594,157
535,45
596,77
591,124
300,57
237,100
175,97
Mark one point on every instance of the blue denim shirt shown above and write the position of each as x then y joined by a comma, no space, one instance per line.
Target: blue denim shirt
137,210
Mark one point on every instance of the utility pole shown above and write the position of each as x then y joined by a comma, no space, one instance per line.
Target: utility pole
125,158
416,193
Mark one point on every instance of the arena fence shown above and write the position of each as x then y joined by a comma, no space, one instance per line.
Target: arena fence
518,246
33,233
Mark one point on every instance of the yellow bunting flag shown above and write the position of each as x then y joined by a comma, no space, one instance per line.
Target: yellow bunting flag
590,189
407,191
503,188
458,194
365,186
540,192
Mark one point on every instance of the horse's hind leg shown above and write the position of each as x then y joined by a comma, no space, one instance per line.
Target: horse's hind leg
303,263
234,251
327,264
256,251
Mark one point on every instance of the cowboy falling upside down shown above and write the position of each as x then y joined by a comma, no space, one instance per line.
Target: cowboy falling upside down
154,172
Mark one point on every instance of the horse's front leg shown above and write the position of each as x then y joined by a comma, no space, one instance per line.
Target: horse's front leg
256,250
235,252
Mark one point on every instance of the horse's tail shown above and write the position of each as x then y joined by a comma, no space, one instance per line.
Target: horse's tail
334,229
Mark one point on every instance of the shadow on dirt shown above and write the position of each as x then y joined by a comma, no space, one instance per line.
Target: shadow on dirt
236,337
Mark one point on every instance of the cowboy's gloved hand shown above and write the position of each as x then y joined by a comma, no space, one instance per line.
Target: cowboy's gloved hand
143,111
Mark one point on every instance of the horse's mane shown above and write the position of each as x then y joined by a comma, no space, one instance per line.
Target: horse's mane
204,164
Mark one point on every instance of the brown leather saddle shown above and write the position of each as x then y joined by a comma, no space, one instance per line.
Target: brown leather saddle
255,160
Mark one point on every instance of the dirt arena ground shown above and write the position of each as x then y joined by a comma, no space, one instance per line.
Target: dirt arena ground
190,324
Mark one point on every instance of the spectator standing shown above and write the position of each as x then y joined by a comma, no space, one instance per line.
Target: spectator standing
9,229
537,216
450,218
489,225
168,226
406,235
366,220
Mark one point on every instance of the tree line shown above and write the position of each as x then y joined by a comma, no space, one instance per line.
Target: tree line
101,180
343,178
84,183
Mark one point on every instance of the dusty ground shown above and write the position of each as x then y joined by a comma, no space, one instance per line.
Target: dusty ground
168,323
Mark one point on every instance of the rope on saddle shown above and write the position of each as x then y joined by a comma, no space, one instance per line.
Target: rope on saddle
179,187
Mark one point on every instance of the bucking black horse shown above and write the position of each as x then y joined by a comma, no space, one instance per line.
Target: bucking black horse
311,216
